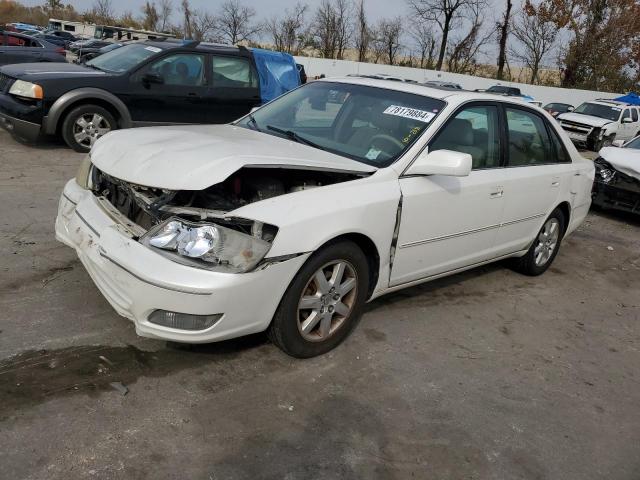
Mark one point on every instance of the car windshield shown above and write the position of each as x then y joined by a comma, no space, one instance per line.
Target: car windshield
123,59
368,124
558,107
635,143
601,111
501,89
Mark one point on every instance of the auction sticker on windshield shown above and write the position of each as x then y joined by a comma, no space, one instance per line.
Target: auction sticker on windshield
153,49
413,113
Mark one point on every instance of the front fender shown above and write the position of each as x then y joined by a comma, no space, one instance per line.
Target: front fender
308,219
86,93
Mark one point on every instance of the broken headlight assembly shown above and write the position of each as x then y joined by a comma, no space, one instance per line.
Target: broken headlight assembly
604,170
206,245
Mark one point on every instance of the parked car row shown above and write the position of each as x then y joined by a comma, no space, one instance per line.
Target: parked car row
19,48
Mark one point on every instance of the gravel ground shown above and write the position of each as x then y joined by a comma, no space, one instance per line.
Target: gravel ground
483,375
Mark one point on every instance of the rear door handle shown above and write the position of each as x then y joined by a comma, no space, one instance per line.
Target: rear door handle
555,181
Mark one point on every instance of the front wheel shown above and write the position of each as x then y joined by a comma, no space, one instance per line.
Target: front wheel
323,302
85,124
544,248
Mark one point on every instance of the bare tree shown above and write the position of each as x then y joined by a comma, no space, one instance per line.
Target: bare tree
445,13
234,23
165,12
287,32
103,10
503,32
537,38
330,29
186,12
363,33
422,34
203,25
463,57
389,32
150,16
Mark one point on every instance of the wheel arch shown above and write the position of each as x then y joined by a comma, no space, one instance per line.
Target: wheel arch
370,251
81,96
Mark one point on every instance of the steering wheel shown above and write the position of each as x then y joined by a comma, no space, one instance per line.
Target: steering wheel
387,139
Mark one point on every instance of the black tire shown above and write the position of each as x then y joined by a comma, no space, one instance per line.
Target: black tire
69,125
527,264
605,142
285,329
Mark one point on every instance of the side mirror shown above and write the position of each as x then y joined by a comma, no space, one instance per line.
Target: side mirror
570,109
441,162
627,120
149,78
617,143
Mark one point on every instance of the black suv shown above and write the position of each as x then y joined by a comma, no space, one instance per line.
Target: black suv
140,84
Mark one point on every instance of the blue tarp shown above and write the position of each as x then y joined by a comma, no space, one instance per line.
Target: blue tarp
632,98
277,71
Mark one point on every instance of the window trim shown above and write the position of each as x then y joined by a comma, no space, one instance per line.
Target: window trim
466,106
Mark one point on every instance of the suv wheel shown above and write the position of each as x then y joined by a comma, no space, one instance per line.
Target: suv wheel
85,124
544,248
323,302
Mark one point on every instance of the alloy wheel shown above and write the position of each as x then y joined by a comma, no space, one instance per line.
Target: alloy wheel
89,127
546,242
327,300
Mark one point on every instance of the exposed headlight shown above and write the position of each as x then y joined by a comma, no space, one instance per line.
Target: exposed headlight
84,173
607,175
20,88
206,245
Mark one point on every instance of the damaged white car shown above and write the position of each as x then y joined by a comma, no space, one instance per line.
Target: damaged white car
291,218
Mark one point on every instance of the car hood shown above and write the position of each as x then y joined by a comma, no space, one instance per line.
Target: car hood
626,160
584,119
197,156
46,71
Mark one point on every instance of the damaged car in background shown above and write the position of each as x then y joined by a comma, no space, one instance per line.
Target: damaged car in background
617,180
291,218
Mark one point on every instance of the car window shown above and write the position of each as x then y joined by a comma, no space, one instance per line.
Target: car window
233,72
529,142
626,114
369,124
184,69
14,41
474,130
559,150
635,143
597,110
634,114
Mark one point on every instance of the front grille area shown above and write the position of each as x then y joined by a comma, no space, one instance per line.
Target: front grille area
576,127
5,82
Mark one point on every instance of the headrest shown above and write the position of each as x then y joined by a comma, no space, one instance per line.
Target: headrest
459,131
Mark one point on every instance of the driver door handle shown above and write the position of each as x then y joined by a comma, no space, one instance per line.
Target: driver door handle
497,192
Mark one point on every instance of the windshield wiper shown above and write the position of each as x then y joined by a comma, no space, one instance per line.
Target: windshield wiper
253,123
294,136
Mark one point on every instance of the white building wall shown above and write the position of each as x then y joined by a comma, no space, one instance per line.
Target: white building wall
339,68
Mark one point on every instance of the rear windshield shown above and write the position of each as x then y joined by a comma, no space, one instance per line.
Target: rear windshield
368,124
123,59
601,111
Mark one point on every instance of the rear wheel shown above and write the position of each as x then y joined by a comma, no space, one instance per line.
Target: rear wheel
85,124
544,248
323,302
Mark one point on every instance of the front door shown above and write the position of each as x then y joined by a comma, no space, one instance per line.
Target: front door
451,222
172,89
234,89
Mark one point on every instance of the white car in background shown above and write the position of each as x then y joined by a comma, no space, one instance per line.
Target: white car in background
293,217
599,123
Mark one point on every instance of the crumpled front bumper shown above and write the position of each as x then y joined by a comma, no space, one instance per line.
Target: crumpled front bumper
137,281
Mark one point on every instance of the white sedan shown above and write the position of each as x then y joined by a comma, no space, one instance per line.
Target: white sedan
293,217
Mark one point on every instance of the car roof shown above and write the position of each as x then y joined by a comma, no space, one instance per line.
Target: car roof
168,43
609,103
458,96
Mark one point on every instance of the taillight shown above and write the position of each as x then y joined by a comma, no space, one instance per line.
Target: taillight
60,50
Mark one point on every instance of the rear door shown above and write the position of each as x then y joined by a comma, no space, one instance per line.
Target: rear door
537,171
235,88
170,89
